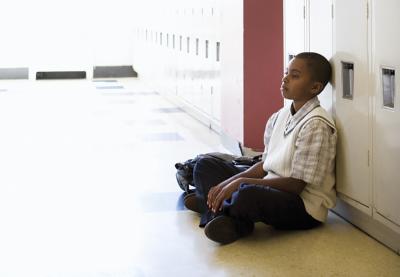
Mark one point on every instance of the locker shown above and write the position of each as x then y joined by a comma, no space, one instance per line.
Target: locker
320,40
308,27
295,26
386,124
351,70
294,31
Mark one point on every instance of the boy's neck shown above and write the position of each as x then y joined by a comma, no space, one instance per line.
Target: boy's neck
297,105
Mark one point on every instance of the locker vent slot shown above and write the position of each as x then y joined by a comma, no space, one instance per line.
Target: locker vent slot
218,51
348,79
206,49
388,87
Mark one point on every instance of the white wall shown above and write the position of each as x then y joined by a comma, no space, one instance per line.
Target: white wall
66,35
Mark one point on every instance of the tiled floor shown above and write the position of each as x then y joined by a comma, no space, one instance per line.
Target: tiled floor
87,188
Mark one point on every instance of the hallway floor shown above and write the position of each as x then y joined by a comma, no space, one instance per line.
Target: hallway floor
87,188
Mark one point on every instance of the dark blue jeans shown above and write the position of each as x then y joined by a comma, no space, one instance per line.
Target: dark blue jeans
250,203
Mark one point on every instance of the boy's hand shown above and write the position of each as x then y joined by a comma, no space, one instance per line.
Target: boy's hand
221,192
213,192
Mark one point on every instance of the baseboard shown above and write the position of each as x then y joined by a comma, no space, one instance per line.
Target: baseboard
368,224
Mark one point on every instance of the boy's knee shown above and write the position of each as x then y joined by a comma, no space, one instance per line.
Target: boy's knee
203,162
202,167
248,191
243,198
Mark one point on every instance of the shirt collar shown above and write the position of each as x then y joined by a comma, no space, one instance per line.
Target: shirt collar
293,120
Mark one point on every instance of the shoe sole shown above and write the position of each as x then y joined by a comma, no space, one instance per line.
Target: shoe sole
222,229
190,202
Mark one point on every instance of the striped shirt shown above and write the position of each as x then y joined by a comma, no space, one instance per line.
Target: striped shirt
315,145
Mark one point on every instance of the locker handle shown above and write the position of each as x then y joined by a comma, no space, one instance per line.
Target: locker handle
348,80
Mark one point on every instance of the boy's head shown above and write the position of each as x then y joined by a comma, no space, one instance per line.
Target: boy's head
307,75
319,67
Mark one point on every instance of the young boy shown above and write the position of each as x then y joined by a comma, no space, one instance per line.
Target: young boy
293,186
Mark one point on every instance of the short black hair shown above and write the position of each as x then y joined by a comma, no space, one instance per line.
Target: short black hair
319,66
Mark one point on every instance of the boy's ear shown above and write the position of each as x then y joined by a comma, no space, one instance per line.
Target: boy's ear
317,88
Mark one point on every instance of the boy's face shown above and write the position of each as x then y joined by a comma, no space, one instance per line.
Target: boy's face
297,82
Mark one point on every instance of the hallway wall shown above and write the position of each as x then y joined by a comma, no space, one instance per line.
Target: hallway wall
263,66
65,35
221,60
176,53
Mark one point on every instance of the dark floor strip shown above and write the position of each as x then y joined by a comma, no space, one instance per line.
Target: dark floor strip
56,75
114,71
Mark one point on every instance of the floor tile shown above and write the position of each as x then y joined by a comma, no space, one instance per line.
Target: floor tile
109,87
169,110
162,202
157,137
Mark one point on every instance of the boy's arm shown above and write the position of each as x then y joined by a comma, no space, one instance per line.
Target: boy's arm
315,152
287,184
254,172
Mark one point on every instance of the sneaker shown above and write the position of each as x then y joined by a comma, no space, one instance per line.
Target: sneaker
191,202
222,229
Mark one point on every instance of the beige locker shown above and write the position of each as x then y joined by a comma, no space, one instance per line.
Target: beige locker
295,28
308,27
320,40
386,124
352,112
294,31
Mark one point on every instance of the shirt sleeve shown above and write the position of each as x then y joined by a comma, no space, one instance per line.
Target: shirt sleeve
315,150
268,133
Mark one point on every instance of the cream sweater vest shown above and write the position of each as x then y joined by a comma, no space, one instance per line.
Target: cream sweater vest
278,163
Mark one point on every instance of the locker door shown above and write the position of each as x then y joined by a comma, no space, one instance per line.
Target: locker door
386,125
294,17
350,43
320,40
295,31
